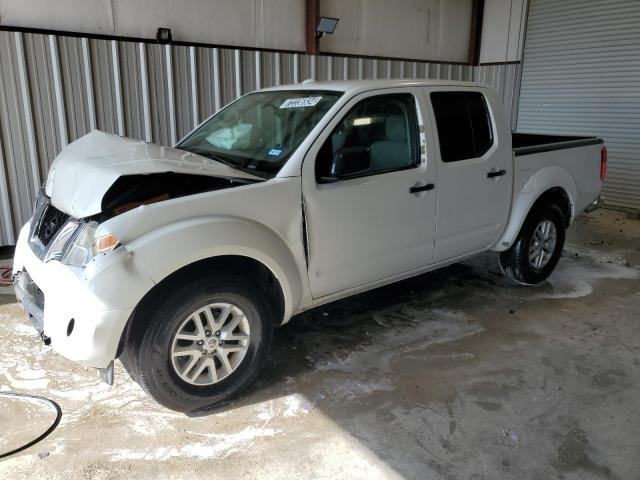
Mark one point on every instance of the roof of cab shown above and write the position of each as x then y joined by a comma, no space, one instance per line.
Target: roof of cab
364,85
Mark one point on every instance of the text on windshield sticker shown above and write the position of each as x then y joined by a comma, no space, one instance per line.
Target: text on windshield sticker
300,102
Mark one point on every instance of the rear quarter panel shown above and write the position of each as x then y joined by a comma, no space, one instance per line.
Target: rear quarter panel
576,170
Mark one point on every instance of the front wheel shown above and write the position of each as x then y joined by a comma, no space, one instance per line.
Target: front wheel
203,344
536,252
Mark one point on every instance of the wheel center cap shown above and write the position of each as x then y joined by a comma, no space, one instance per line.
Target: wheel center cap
212,343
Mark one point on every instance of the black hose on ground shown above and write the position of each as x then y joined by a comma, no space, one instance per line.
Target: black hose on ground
6,274
53,426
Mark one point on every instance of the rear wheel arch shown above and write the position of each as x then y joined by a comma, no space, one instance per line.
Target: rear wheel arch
555,196
519,262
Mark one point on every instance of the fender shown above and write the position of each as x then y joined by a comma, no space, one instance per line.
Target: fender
165,250
528,189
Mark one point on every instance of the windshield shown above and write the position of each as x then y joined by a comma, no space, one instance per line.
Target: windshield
260,131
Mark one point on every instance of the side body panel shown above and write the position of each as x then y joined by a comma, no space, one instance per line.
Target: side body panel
262,221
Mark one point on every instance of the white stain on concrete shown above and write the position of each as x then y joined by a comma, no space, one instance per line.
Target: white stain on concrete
293,404
28,384
215,445
576,279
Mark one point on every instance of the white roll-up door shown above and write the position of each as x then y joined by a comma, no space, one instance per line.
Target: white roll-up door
581,75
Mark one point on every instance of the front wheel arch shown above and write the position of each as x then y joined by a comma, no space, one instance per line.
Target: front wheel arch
149,351
236,264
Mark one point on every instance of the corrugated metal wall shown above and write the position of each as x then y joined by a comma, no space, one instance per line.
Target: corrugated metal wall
505,79
581,75
54,89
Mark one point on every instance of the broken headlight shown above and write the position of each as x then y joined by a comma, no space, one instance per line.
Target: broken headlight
80,251
57,246
84,245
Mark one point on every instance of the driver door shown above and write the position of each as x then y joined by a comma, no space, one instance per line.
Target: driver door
380,222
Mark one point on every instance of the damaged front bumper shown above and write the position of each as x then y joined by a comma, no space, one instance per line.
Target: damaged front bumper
31,298
80,312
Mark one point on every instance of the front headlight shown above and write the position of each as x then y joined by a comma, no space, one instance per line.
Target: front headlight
80,251
57,246
84,245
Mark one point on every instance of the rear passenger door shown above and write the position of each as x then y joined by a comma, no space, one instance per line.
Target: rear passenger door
474,172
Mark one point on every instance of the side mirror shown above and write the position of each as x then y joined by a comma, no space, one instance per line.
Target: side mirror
348,162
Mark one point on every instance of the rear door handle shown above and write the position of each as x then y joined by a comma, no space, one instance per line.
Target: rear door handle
498,173
422,188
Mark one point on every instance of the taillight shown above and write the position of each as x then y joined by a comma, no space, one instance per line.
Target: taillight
603,163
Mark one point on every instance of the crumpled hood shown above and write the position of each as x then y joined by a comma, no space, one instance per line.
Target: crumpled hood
85,169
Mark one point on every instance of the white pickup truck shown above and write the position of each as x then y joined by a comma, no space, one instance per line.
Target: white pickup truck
180,261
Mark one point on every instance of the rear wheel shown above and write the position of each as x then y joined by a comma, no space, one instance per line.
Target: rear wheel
536,252
203,344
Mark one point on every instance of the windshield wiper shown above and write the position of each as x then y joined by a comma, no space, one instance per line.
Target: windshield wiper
219,159
209,155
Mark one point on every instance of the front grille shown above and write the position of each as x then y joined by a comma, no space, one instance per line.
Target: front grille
51,222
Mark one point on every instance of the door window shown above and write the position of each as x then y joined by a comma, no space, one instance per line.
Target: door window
385,125
463,123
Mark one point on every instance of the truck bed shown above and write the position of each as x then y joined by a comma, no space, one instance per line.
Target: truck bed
542,162
528,143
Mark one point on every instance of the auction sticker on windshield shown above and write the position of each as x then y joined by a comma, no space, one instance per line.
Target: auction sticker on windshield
275,151
300,102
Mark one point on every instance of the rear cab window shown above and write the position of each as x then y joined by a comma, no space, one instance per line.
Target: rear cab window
463,123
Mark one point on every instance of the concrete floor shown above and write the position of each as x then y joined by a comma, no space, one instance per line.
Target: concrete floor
454,374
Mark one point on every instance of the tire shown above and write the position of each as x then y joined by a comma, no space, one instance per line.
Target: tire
516,263
147,354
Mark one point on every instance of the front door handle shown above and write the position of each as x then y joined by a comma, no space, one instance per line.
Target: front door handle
422,188
497,173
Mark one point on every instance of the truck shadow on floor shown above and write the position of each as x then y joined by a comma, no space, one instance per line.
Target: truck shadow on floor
359,336
425,372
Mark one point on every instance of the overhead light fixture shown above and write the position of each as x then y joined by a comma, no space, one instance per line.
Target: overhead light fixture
326,25
163,35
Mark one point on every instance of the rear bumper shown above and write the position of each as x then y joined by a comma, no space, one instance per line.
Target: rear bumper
81,312
597,203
